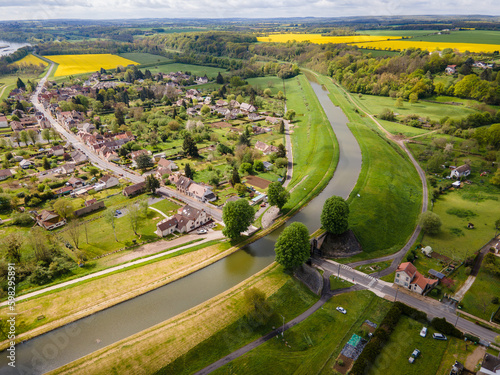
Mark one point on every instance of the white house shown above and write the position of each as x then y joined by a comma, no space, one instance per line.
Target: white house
24,164
187,219
109,181
408,277
462,171
490,365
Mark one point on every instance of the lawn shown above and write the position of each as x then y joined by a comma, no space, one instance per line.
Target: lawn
477,301
198,70
384,214
407,131
338,283
144,58
435,111
405,338
314,344
374,267
271,82
166,206
454,239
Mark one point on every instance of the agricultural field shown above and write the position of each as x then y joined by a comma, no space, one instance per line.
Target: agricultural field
198,70
144,58
463,36
31,60
320,39
77,64
400,33
399,45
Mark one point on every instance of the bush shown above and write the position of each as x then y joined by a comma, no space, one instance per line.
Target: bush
474,339
22,219
441,325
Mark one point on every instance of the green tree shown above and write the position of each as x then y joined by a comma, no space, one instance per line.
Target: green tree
290,115
235,177
495,179
73,230
64,208
134,217
219,79
5,203
335,215
413,98
205,110
258,308
13,243
430,222
189,146
237,217
46,163
292,247
32,135
110,218
20,84
258,165
188,171
282,127
46,136
246,168
23,136
152,183
144,161
281,153
277,195
120,115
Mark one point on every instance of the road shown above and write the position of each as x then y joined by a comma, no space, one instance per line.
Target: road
73,139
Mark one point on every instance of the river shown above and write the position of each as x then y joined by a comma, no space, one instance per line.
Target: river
75,340
6,48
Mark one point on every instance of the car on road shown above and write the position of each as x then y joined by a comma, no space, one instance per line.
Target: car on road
439,336
202,231
341,309
414,356
423,332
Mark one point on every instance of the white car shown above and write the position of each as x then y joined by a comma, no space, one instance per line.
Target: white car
202,231
341,309
423,332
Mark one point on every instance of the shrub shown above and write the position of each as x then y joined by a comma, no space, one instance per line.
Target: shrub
441,325
474,339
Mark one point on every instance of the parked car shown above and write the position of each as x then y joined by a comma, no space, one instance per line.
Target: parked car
414,356
423,332
439,336
341,309
202,231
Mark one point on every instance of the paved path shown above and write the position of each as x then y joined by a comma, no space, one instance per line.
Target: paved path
157,210
216,235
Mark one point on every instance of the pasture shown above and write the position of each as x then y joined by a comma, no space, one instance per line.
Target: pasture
77,64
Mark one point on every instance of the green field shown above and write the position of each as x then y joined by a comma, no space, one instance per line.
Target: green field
385,213
337,283
198,70
166,206
454,239
396,32
464,36
407,131
376,104
314,344
144,58
477,301
404,339
271,82
318,157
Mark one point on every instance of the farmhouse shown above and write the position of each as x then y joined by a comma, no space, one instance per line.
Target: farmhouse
5,174
49,220
462,171
407,276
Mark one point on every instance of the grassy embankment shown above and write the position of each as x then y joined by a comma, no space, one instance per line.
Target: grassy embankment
477,301
225,328
385,214
314,344
84,298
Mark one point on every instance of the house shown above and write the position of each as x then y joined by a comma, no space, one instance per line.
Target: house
65,190
89,207
49,220
164,163
181,182
202,80
135,154
75,182
90,202
3,122
79,157
254,117
109,181
166,227
57,150
24,164
247,107
451,69
135,189
407,276
16,126
462,171
5,174
200,192
265,148
490,365
186,219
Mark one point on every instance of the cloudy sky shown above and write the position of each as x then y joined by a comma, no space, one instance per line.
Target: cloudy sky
112,9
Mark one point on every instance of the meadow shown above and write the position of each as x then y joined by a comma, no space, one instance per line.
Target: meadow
463,36
144,58
477,301
77,64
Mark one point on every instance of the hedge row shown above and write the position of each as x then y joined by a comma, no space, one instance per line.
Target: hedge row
446,328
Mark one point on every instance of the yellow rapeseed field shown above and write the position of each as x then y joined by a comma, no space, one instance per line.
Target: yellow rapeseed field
31,60
319,39
430,46
77,64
